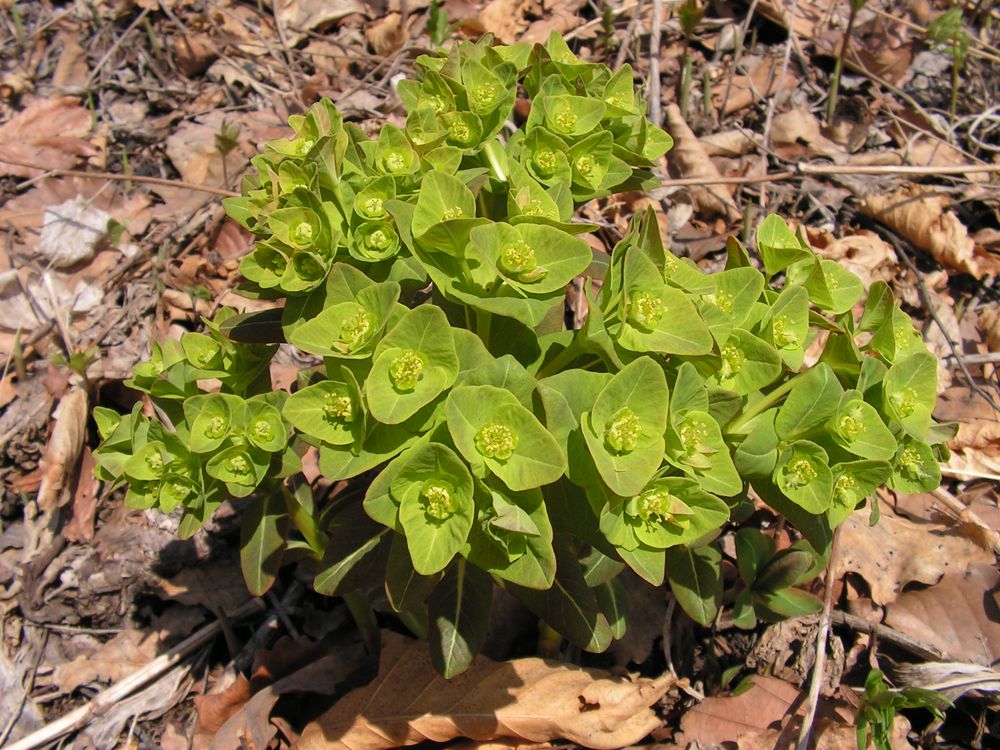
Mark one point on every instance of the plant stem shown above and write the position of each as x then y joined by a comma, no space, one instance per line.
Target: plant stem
483,321
953,102
686,72
831,102
559,362
763,405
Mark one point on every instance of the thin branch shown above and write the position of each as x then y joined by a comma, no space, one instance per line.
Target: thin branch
654,97
105,700
890,635
819,663
164,182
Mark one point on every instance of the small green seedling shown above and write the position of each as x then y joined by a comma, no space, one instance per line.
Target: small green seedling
484,442
879,704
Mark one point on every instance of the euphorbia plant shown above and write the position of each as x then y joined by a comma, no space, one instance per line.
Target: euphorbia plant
486,443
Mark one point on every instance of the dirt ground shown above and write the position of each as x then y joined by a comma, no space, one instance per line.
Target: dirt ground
124,121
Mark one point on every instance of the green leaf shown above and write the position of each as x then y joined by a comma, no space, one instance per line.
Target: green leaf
915,468
695,577
753,551
791,603
857,428
405,589
330,410
910,390
758,453
784,569
748,363
853,481
697,447
803,475
441,198
570,607
733,295
572,116
787,325
812,401
349,329
494,432
413,365
624,431
778,245
532,258
613,601
434,491
356,554
459,615
263,533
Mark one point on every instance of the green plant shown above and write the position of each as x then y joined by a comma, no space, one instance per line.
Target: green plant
879,705
426,271
948,33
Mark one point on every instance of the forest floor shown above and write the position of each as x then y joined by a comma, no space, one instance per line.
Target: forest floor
124,121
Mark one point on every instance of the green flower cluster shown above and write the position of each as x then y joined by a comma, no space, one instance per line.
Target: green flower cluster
428,270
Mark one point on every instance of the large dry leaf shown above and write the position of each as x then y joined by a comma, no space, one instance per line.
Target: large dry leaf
299,16
112,661
797,133
768,716
690,159
762,82
49,133
505,18
896,551
923,218
866,255
530,699
959,615
63,450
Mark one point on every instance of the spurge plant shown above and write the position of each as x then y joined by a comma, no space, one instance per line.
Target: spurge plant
485,442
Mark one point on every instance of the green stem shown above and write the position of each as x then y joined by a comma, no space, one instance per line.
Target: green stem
686,72
558,363
953,102
483,322
763,405
831,102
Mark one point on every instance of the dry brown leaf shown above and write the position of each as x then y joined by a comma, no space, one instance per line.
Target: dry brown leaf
530,699
865,254
768,716
386,35
923,218
764,81
504,18
250,725
959,615
797,133
215,709
72,68
50,133
989,324
81,526
299,16
689,158
560,16
730,143
112,661
896,552
216,586
63,450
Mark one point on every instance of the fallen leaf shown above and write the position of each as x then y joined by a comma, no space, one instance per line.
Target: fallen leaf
386,35
49,133
251,725
730,143
81,526
125,653
71,231
63,449
796,133
215,708
764,81
532,699
215,586
896,552
193,53
560,16
922,217
299,16
689,158
505,18
959,615
72,68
